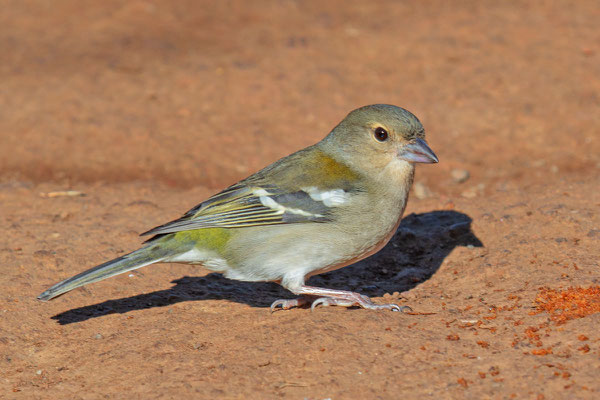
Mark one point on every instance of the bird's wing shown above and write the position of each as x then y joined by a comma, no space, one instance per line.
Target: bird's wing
256,201
243,206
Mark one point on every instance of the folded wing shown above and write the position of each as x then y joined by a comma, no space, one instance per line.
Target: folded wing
244,206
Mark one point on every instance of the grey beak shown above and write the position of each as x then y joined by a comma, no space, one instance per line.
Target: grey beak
418,152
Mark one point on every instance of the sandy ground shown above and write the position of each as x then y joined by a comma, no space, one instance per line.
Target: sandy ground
146,108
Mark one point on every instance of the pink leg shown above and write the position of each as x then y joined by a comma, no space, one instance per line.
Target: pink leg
332,297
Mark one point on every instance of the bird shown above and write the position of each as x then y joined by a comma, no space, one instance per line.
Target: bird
316,210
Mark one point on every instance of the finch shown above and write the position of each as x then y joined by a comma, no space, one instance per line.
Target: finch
319,209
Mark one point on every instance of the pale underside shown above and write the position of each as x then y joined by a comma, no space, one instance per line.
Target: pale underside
290,252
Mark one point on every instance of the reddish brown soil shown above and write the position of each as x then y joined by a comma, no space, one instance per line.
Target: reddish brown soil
148,107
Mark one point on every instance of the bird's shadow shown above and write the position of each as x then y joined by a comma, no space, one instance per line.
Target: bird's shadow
414,254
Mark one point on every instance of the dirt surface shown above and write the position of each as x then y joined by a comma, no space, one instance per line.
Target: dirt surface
146,108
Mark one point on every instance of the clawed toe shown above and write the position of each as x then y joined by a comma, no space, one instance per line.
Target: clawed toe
393,307
286,304
328,301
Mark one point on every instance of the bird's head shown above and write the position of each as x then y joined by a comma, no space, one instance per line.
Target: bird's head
379,136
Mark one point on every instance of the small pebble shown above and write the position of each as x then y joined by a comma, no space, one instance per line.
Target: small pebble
473,191
98,336
460,175
421,191
469,193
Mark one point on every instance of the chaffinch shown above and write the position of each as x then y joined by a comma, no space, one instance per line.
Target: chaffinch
316,210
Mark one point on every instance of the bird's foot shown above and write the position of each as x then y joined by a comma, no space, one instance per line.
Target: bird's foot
286,304
356,299
332,297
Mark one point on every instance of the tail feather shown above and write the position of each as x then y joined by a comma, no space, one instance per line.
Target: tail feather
119,265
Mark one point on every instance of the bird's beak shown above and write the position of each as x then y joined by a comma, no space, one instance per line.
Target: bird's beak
417,151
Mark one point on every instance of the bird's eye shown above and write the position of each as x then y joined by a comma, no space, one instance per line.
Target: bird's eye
381,134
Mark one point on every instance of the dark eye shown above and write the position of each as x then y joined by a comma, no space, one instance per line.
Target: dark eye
381,134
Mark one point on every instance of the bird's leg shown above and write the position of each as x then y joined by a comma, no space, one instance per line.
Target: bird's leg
333,297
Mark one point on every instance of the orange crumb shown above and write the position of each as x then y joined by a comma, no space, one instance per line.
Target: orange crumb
453,337
541,352
483,344
572,303
533,337
584,349
462,382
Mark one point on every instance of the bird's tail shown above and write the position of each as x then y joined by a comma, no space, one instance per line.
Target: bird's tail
137,259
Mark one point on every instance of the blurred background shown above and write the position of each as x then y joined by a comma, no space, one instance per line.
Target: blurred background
189,93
